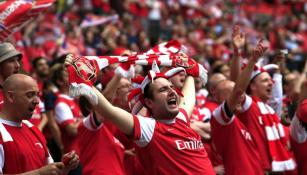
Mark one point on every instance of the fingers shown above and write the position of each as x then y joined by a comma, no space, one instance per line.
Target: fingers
69,59
260,49
236,30
73,160
52,169
242,35
59,165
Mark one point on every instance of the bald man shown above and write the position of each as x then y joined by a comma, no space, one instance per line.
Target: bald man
22,146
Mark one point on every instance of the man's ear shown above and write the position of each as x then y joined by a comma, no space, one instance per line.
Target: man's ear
10,96
252,86
148,103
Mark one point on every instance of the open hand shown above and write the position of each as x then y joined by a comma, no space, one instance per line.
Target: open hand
238,38
259,50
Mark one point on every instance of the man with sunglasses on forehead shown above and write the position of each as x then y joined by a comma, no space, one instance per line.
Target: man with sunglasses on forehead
166,138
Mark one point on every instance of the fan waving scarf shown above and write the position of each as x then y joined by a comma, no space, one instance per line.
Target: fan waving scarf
15,14
84,69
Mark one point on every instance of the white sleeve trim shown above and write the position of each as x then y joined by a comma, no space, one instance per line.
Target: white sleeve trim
1,158
49,159
218,112
88,123
247,103
6,136
147,126
297,131
63,113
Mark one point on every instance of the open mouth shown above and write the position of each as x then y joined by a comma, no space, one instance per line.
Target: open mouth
172,103
269,90
31,109
182,80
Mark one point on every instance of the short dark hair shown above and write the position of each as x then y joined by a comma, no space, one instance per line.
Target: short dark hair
57,73
148,91
35,61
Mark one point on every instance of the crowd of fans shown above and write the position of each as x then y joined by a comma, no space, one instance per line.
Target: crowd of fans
210,34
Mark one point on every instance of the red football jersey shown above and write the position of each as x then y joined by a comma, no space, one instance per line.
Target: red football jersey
254,116
235,144
22,148
170,146
67,111
100,151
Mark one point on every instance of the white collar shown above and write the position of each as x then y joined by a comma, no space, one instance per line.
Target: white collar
11,123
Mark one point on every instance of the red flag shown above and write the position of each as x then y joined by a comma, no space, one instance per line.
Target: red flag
15,14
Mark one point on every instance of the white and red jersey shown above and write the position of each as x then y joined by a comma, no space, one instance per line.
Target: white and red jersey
37,113
201,97
235,144
170,146
200,114
268,133
67,111
298,137
22,148
210,105
100,151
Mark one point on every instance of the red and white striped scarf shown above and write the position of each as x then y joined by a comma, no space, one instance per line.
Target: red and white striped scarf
87,67
276,140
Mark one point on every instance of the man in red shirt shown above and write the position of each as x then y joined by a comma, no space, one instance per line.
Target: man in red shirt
22,146
9,64
229,135
260,119
170,145
102,155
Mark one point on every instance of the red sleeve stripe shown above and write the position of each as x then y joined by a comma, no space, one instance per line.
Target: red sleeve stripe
137,128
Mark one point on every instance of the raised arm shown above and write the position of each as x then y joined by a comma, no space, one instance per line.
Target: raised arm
238,42
194,69
303,85
110,89
300,87
277,92
243,80
189,99
121,118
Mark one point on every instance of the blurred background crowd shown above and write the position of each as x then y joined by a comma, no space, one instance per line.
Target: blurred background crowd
102,27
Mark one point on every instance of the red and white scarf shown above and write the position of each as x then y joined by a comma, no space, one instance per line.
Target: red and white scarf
85,68
276,140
